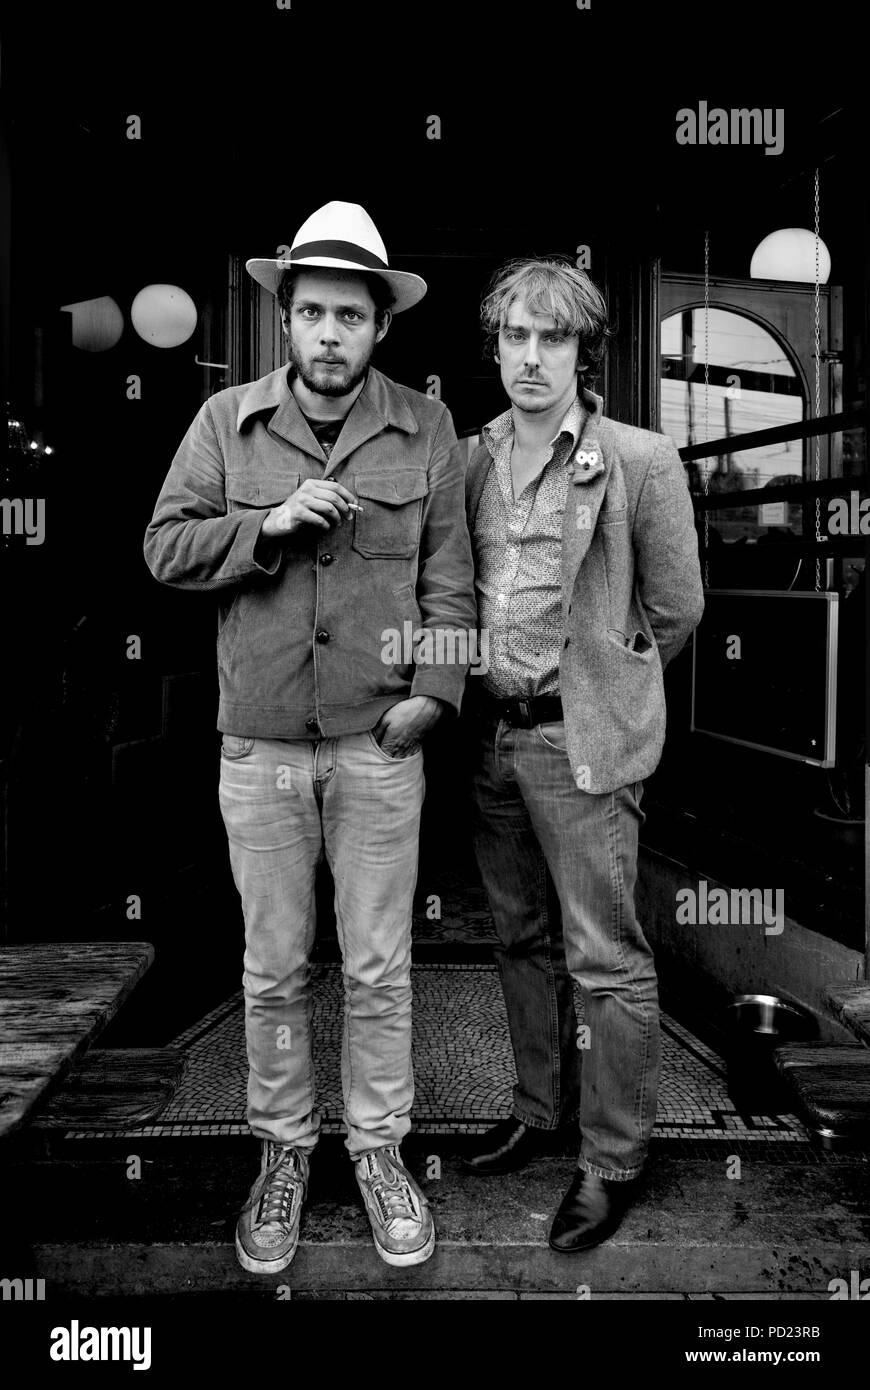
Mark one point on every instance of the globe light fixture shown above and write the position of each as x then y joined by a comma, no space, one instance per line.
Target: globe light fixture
790,254
164,315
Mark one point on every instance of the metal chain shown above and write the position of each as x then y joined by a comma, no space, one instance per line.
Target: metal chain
818,359
706,405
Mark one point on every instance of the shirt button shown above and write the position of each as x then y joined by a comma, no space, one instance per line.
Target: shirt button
326,559
312,726
322,635
567,640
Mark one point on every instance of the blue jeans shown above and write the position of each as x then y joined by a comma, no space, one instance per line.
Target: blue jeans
530,817
284,804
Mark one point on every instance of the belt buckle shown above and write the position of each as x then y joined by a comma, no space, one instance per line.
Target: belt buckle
517,714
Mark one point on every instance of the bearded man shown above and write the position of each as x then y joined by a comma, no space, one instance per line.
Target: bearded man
324,503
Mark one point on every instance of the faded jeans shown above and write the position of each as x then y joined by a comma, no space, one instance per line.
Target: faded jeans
284,803
529,817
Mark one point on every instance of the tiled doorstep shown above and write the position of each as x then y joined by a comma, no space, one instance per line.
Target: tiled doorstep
462,1062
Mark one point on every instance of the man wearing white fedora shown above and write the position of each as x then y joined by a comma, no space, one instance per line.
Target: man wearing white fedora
324,504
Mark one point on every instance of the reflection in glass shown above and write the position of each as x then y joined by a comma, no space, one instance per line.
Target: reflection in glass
752,386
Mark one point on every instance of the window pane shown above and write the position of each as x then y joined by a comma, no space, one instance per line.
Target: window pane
752,386
758,545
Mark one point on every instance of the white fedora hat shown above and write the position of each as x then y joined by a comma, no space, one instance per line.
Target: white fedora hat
341,236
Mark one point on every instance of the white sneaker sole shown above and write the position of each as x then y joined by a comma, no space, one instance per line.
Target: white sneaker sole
257,1266
411,1257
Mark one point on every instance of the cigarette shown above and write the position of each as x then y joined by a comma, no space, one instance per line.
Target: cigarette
354,507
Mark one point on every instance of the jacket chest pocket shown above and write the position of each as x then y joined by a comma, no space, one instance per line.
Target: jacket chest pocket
258,490
614,503
392,506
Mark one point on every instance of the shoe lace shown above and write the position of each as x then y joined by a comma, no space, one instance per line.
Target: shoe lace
283,1179
391,1191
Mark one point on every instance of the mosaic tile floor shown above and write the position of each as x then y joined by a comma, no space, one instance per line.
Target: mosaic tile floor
462,1064
463,916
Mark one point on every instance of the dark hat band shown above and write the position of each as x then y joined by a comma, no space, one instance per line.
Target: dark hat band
339,251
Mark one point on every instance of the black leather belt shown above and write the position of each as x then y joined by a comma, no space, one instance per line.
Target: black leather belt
525,714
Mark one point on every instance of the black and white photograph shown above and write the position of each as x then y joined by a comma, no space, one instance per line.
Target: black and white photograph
433,761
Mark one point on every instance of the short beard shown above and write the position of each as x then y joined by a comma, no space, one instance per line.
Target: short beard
330,387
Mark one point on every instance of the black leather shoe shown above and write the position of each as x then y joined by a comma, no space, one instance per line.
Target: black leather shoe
591,1210
509,1145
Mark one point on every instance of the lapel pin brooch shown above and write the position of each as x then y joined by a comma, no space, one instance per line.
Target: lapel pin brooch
587,464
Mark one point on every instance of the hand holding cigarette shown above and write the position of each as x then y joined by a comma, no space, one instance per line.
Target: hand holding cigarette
320,502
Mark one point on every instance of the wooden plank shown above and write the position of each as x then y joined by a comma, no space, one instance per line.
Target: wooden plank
55,998
831,1082
24,1068
851,1004
116,1089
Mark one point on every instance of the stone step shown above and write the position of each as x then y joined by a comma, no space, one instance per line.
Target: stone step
780,1229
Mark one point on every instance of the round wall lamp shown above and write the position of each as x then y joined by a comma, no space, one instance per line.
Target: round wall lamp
790,254
164,315
97,324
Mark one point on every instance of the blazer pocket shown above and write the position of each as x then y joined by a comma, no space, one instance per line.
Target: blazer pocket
612,516
388,526
253,490
637,646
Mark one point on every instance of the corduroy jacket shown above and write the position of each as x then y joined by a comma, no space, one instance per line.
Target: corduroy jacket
631,593
305,620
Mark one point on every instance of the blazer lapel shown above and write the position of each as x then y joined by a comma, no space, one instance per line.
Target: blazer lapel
591,467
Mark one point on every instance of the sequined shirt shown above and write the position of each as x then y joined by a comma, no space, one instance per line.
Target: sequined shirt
518,545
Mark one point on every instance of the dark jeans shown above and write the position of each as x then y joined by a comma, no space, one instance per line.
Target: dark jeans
530,817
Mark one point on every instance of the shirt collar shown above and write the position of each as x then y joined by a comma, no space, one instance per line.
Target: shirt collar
581,408
383,396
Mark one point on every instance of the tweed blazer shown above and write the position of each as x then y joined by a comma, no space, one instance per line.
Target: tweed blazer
631,593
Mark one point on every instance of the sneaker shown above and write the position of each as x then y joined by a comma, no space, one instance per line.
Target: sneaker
402,1225
268,1229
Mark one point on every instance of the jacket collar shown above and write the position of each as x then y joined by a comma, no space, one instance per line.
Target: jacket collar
380,398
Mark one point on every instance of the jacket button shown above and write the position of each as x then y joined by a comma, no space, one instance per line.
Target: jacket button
326,559
322,635
312,726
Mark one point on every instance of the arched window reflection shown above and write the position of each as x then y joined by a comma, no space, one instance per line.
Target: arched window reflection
752,386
